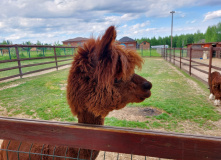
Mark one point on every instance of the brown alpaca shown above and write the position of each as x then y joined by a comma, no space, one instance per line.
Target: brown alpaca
215,87
101,79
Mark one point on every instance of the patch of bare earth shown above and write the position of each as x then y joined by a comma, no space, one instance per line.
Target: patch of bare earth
11,86
135,113
120,156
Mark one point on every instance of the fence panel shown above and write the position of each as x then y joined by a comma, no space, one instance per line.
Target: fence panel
113,139
40,58
198,67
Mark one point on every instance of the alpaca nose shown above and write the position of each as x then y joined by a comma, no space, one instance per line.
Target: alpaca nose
146,85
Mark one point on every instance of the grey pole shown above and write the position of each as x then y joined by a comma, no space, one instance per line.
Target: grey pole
172,30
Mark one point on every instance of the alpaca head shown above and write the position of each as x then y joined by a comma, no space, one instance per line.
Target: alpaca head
102,77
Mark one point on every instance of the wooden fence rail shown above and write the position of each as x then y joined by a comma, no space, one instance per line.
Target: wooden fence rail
168,53
19,60
113,139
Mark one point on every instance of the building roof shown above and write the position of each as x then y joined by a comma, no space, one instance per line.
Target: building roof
76,39
203,43
160,46
145,41
126,39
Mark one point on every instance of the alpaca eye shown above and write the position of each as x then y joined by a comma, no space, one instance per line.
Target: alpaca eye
117,80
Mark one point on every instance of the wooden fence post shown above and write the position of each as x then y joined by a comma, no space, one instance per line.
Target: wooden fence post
210,60
180,58
190,60
170,54
174,56
9,53
164,52
55,57
19,62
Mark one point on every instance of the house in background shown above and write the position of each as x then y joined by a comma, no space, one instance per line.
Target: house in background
203,54
79,41
160,46
144,45
128,43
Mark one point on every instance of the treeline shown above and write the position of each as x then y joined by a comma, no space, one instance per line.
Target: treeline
30,43
213,34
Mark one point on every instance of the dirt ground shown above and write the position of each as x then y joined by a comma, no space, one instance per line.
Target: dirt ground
140,113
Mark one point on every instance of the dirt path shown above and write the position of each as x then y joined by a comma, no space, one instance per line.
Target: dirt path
215,62
36,74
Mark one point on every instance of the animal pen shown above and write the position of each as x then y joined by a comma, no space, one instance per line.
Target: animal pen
54,59
200,68
146,143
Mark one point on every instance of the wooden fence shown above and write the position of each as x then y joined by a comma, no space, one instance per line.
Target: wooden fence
19,60
172,56
114,139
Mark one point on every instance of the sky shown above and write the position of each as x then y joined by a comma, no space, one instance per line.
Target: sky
51,21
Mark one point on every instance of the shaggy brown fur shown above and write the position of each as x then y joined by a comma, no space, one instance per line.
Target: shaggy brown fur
215,87
101,79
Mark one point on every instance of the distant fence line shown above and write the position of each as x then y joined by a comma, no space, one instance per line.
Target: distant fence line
18,59
185,57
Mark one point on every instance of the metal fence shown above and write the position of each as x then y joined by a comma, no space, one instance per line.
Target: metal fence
185,59
14,55
112,139
151,52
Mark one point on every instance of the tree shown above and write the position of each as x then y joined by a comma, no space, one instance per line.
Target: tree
211,34
6,42
198,36
218,31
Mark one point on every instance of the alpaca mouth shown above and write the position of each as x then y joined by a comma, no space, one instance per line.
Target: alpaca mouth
144,96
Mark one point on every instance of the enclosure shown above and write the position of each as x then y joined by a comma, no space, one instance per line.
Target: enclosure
198,67
157,136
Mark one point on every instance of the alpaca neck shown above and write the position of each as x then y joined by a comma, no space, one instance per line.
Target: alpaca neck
89,118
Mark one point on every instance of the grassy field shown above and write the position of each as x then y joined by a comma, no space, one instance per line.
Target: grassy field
180,97
33,54
177,53
149,53
25,53
33,68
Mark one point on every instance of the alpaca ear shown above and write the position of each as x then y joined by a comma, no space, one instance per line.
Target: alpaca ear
106,41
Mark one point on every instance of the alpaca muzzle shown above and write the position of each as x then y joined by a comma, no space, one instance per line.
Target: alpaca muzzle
146,86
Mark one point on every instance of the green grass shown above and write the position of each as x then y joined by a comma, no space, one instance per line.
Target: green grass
42,97
177,53
23,53
172,93
149,53
28,69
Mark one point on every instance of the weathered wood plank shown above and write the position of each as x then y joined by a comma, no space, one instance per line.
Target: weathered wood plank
114,139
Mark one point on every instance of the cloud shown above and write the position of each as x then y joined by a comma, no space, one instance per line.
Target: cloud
53,20
212,15
193,21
